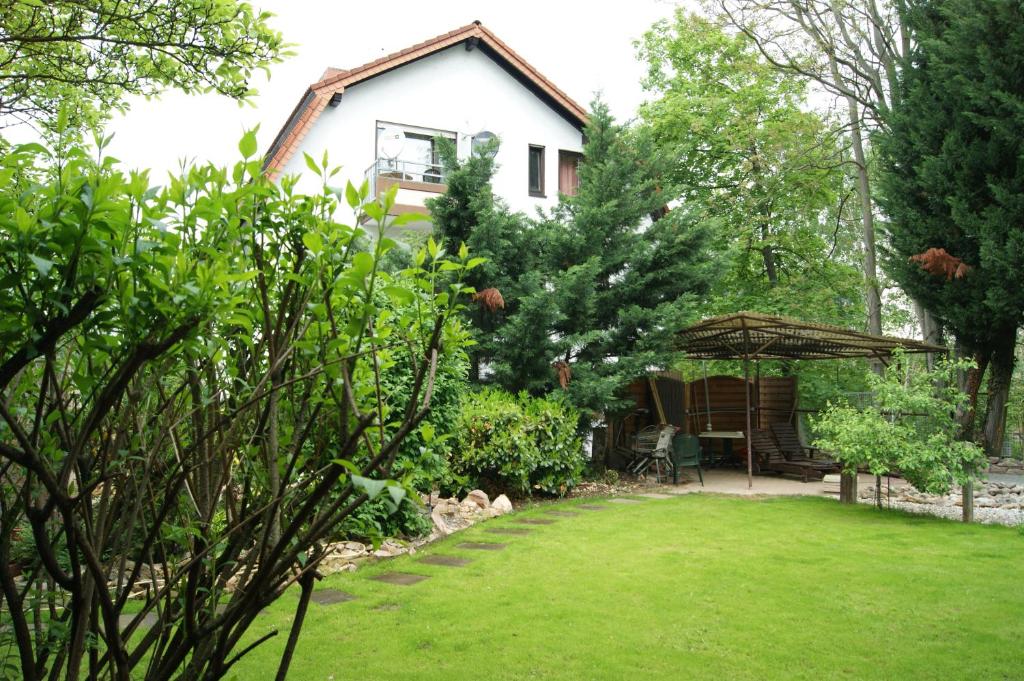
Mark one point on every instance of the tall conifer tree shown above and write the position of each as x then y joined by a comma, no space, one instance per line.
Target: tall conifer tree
954,180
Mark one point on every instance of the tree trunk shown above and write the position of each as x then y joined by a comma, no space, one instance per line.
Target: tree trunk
970,383
931,331
874,299
967,496
999,377
848,488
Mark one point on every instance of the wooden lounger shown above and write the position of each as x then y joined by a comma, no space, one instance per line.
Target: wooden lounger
771,458
794,450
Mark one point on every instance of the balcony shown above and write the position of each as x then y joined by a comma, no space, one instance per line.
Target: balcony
416,182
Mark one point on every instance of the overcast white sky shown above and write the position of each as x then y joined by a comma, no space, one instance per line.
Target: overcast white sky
583,47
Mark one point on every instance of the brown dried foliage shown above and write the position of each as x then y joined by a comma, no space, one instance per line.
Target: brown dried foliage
937,262
564,372
490,299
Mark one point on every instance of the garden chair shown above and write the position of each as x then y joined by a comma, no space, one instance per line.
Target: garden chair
653,446
686,452
795,450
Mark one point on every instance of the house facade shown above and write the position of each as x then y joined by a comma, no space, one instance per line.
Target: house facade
379,122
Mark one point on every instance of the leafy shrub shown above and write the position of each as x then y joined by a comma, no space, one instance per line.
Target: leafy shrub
377,520
422,460
205,361
517,443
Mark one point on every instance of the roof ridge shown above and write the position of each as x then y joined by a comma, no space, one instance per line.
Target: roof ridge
335,81
324,82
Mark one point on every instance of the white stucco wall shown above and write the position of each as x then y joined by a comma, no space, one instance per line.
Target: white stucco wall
453,90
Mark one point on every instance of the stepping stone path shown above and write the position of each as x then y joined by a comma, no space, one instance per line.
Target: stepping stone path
621,500
592,507
481,546
148,620
563,514
534,521
508,530
447,561
331,596
399,578
655,495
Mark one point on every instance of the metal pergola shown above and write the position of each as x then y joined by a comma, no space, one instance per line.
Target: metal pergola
754,336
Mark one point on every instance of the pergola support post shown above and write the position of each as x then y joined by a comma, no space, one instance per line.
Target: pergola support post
750,449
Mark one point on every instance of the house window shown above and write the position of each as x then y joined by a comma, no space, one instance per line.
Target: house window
536,170
568,172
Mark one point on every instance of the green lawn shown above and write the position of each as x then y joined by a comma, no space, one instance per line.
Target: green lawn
691,587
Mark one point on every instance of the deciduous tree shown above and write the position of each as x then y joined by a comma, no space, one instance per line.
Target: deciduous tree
88,55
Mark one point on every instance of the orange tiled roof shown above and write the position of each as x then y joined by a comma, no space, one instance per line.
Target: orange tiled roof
334,81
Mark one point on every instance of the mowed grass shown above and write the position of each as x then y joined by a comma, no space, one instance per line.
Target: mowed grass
695,587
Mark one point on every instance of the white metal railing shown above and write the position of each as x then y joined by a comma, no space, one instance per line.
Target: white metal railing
395,168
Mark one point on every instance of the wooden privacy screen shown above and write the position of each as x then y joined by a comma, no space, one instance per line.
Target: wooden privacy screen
685,405
773,399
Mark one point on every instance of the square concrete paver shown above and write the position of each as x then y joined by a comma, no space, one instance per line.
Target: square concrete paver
481,546
331,596
592,507
447,561
508,530
534,521
563,514
148,620
399,578
655,495
621,500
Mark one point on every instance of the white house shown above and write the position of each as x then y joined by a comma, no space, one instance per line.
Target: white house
379,120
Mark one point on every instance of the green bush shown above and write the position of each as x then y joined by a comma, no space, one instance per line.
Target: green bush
376,521
422,459
517,444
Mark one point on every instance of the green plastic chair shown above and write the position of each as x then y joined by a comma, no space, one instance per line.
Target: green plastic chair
686,452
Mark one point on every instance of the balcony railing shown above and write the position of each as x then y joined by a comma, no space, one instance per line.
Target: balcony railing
409,171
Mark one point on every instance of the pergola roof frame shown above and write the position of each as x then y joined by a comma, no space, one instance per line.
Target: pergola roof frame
756,336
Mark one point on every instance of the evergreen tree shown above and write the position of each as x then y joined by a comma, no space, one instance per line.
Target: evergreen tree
953,180
594,291
620,285
469,213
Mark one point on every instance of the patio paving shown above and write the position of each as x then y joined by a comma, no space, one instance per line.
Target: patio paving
399,578
447,561
734,481
331,596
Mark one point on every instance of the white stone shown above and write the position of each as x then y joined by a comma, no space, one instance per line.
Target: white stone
502,505
478,497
